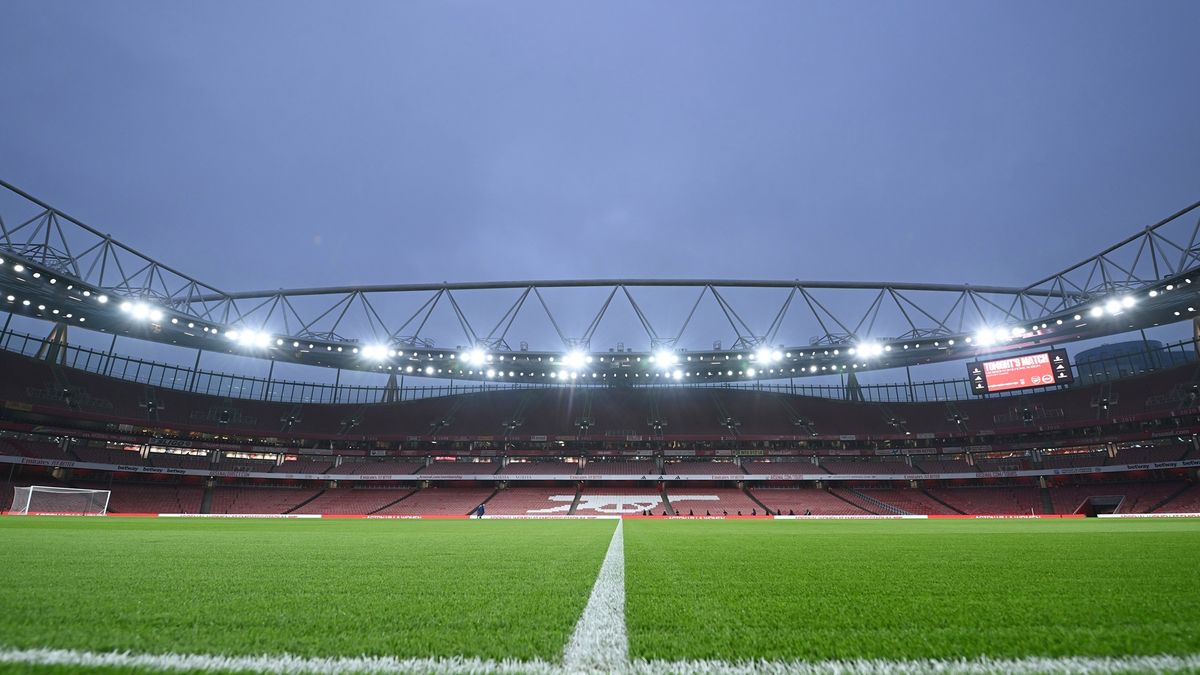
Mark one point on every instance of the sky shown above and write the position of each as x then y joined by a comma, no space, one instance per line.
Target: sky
260,145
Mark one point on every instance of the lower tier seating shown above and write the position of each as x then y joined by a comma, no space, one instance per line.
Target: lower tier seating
523,501
353,501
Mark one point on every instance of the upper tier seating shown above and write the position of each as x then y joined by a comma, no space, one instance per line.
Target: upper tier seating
600,413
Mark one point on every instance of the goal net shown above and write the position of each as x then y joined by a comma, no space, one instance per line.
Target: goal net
57,500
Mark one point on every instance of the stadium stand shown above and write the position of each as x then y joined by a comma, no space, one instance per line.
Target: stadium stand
520,501
538,469
599,500
6,495
1167,453
151,498
258,500
888,465
944,466
794,467
908,500
715,501
868,504
990,500
245,464
803,501
175,461
613,467
700,468
12,446
439,501
461,468
1186,500
304,466
1074,460
353,501
370,467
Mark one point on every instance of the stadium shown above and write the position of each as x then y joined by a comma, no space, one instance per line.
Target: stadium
708,435
662,415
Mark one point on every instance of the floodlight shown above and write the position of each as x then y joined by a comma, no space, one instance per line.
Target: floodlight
750,372
1128,301
1113,306
574,359
870,349
665,358
374,352
767,355
1097,311
475,356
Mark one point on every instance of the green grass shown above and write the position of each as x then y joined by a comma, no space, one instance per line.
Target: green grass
318,588
911,589
514,589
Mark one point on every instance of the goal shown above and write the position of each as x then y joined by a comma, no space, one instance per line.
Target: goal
57,500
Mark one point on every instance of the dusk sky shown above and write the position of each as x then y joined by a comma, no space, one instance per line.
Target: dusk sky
291,144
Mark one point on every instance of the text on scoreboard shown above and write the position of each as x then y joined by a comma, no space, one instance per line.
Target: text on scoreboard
1043,369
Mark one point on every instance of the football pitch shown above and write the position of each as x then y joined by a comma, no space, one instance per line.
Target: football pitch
139,594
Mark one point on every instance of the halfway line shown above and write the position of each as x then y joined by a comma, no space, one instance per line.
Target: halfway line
600,643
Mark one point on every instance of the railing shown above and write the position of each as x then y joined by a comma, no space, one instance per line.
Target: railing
284,391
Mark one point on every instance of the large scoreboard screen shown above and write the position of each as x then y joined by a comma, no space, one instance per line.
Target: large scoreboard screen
1020,372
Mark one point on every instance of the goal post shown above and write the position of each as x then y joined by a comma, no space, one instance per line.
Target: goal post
40,499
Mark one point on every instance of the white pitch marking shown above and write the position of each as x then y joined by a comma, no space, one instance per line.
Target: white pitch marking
271,663
285,663
600,643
